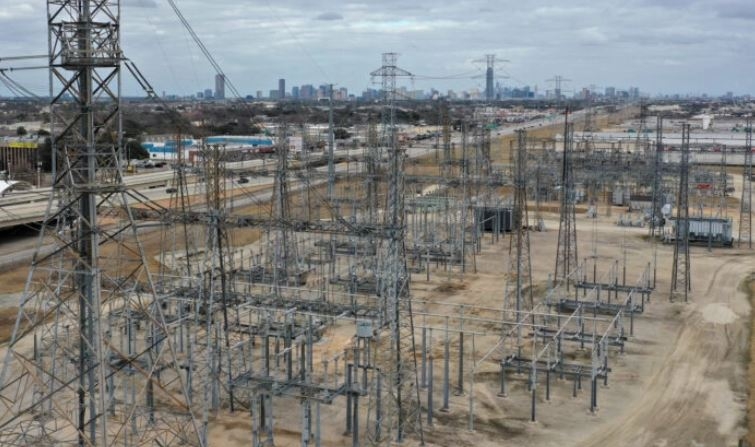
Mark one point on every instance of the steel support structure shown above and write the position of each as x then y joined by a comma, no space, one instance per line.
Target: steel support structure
566,251
400,415
655,212
91,358
519,279
745,204
681,281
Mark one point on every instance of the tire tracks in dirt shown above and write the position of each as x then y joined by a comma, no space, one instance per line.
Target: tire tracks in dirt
687,397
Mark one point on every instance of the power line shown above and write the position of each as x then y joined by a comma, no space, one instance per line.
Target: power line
204,49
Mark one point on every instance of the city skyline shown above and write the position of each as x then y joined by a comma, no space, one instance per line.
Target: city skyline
495,91
665,46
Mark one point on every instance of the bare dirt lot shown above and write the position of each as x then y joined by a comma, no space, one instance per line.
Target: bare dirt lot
683,380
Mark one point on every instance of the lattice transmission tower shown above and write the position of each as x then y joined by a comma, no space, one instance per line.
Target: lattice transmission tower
91,360
656,211
400,415
519,280
745,204
566,251
681,281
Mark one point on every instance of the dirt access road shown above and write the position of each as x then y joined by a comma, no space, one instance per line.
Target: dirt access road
682,382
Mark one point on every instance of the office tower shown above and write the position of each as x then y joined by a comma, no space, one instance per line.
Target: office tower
219,86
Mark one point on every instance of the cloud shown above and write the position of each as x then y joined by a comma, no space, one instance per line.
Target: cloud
648,43
559,11
592,36
140,3
329,16
736,10
17,11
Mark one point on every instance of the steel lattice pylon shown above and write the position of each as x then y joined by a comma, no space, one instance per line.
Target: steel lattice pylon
656,213
400,412
519,279
681,282
745,205
285,257
91,360
566,252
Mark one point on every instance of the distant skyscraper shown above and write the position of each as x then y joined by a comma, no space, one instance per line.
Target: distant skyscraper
323,91
295,92
307,91
489,78
259,94
281,88
219,86
610,92
208,93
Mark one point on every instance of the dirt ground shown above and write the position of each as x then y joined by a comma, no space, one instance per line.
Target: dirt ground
684,380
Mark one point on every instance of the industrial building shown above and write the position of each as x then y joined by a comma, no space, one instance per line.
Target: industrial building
235,146
18,156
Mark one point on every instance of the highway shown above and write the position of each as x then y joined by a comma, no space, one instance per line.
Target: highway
27,207
23,207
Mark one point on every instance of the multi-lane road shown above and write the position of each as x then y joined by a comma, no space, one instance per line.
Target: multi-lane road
22,208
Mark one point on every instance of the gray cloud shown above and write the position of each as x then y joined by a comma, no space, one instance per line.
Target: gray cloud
736,10
139,3
329,16
658,45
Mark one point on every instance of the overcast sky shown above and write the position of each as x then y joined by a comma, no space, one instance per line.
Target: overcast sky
661,46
